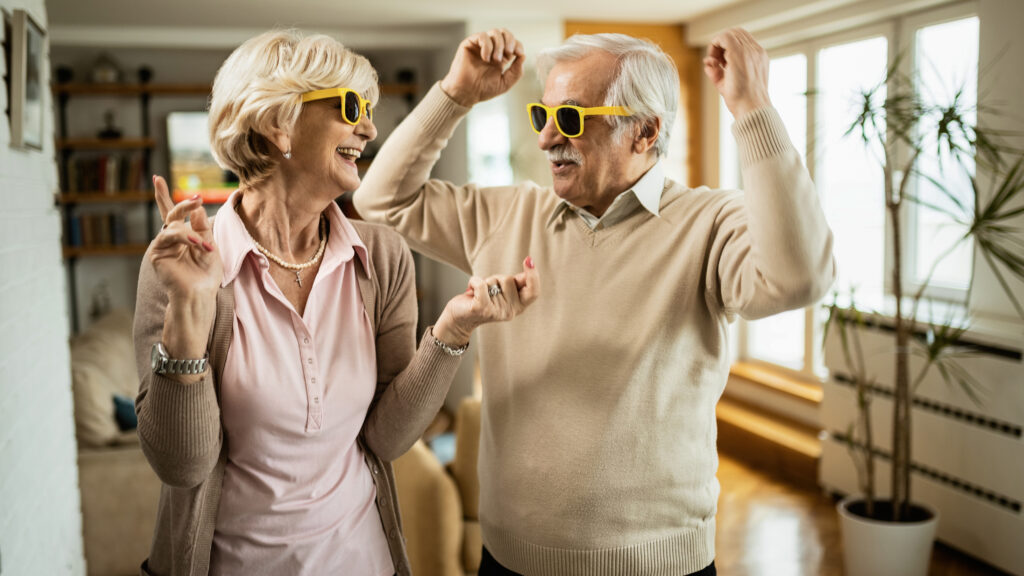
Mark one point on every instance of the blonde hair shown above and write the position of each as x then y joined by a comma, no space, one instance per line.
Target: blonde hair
259,89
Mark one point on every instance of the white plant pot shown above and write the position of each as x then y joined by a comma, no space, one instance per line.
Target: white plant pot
879,548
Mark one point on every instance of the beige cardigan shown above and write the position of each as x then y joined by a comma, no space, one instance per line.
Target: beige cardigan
180,427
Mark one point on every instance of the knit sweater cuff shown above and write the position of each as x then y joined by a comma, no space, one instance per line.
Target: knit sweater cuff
438,113
186,416
760,135
429,374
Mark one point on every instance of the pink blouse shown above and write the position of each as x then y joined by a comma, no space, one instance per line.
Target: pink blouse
297,496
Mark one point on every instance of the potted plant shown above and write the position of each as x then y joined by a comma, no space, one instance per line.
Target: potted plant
894,535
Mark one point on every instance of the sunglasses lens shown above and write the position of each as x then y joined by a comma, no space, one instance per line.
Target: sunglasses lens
538,117
350,107
369,111
570,121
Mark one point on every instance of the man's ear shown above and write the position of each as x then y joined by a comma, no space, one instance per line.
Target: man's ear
646,135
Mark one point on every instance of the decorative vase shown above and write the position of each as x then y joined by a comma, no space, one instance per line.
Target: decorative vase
883,548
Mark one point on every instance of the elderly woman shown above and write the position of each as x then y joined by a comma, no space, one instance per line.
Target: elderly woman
276,348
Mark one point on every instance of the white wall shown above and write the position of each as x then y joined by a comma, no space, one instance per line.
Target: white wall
40,517
1001,53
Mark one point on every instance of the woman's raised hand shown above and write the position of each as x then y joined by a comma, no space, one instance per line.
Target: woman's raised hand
183,253
491,299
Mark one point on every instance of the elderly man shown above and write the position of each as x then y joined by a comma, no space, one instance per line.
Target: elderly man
597,446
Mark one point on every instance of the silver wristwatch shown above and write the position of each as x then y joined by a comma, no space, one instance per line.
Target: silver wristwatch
164,364
448,349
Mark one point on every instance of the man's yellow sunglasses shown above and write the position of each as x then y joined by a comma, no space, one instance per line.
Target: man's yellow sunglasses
353,106
568,118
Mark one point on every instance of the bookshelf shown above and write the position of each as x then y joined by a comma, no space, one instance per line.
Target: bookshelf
106,180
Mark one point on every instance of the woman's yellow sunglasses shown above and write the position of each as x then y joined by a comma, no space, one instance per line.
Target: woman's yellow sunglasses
353,106
568,118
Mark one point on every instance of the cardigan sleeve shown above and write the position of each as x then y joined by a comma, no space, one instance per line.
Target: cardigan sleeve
179,424
412,382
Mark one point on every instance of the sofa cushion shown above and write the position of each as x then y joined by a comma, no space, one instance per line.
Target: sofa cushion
472,546
467,445
94,409
102,366
124,413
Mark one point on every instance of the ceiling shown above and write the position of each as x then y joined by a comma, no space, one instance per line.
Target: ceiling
366,13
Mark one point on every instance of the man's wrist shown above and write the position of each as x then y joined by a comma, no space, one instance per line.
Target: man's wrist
744,109
458,96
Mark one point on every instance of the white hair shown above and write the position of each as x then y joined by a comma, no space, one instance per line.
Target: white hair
646,80
259,89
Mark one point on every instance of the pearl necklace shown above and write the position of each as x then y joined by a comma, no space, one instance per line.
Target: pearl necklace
297,268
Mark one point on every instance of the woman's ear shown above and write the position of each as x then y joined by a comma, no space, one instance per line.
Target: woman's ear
646,135
282,141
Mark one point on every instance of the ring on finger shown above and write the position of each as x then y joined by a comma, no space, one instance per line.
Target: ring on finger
493,290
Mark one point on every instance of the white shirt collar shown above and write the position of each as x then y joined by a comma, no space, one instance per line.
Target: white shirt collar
647,191
649,188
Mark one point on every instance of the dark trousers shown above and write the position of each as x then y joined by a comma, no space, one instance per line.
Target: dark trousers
490,567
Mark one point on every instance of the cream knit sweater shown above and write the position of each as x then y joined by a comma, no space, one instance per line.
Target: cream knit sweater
597,447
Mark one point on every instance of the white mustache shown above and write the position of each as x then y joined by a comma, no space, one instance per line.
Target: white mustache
563,154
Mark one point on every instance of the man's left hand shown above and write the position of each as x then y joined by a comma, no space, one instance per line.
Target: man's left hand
738,66
487,64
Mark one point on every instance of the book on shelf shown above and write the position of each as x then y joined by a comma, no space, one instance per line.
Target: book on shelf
97,229
108,173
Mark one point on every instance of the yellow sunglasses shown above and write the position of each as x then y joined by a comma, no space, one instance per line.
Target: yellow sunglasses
568,118
353,106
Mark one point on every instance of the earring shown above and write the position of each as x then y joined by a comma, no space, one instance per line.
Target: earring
288,154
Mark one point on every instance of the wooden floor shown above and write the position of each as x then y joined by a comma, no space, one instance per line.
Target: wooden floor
767,527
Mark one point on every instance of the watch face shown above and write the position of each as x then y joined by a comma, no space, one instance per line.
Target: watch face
157,357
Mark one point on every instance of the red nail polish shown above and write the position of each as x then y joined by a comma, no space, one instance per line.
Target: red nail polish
196,197
193,239
529,263
208,246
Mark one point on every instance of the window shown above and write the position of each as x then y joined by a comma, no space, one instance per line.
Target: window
489,144
848,173
946,62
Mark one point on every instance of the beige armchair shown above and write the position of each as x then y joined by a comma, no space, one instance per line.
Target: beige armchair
439,505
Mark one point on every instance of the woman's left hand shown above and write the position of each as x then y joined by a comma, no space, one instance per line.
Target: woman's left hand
492,299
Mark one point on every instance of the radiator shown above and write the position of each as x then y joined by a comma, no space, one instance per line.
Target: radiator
968,458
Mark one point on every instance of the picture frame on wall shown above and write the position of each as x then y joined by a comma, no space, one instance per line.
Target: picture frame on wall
26,81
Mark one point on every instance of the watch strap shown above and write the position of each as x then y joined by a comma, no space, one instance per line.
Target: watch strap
189,366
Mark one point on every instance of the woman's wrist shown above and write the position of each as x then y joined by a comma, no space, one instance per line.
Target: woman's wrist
187,324
448,332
